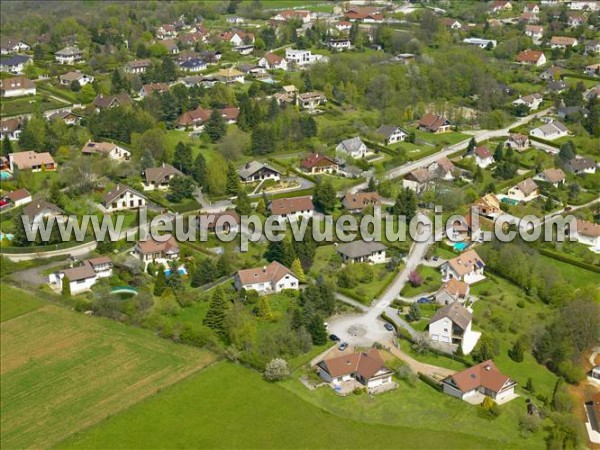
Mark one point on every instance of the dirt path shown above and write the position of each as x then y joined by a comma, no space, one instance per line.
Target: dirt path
439,373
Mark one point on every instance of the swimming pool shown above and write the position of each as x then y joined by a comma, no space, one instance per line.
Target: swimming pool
6,236
182,271
460,246
5,175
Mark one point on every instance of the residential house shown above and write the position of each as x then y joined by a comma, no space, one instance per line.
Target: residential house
418,180
292,208
303,57
159,177
137,66
584,5
467,267
562,42
244,50
534,31
310,100
197,117
581,165
193,65
158,252
30,160
16,87
166,31
358,202
148,89
257,171
556,86
592,69
452,325
555,177
19,197
550,131
237,38
532,101
190,39
588,233
272,61
353,147
111,101
524,191
68,117
592,411
316,163
343,26
69,55
442,169
434,123
391,134
266,280
365,367
592,47
452,24
15,64
294,14
531,8
485,44
122,198
39,210
552,73
532,57
483,157
10,45
230,76
452,291
11,128
572,112
575,19
365,14
501,5
362,252
528,17
484,379
221,222
68,78
339,44
519,142
109,149
465,228
83,277
171,46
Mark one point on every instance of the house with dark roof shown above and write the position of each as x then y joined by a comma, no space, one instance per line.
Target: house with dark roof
221,222
316,163
266,280
121,198
354,147
418,180
193,65
159,177
159,252
518,142
434,123
362,252
477,382
39,210
110,101
11,128
137,66
15,64
257,171
581,165
391,134
452,325
82,277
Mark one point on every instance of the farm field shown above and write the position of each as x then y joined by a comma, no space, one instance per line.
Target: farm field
228,406
63,371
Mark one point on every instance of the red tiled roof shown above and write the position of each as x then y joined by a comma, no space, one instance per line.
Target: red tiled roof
280,206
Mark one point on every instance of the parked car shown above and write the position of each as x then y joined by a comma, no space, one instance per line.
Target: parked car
424,300
333,338
343,346
388,326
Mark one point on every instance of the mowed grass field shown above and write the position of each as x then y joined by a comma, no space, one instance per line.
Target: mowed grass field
228,406
61,371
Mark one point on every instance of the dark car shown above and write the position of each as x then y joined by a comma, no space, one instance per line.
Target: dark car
424,300
388,326
343,346
334,338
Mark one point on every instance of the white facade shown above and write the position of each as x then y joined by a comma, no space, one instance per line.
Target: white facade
294,216
339,44
288,281
471,277
481,43
77,286
83,79
119,154
517,194
484,162
303,57
128,200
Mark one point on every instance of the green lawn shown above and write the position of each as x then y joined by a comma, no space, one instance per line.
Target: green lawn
576,276
442,139
15,302
24,105
432,280
228,406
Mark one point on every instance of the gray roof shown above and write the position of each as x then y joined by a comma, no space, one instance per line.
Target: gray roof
388,130
356,249
159,174
37,206
117,191
14,60
352,145
253,167
457,313
69,51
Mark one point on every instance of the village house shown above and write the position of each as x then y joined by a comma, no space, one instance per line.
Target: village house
488,206
193,65
588,233
358,202
391,134
303,57
291,208
483,157
294,14
365,369
16,87
68,117
592,411
477,382
310,100
171,46
197,117
137,66
452,24
584,5
158,252
501,5
532,101
111,101
518,142
30,160
550,131
83,277
592,47
19,197
68,78
524,191
353,147
69,55
534,31
531,8
122,198
467,267
575,19
531,57
451,324
434,123
580,165
452,291
230,76
272,61
485,44
257,171
555,177
159,178
166,31
562,42
39,210
418,180
11,128
572,112
343,26
15,64
365,14
237,38
113,151
362,252
442,169
556,86
465,229
221,222
10,45
339,44
316,163
266,280
244,50
148,89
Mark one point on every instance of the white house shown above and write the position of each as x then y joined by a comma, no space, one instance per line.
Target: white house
11,128
354,147
588,233
13,46
563,42
272,61
581,165
532,101
113,151
19,197
159,252
391,134
478,381
467,267
69,55
361,251
584,5
534,31
339,44
193,65
531,57
303,57
122,198
550,131
80,77
483,157
524,191
15,64
40,210
555,177
441,169
257,171
17,87
481,43
137,66
418,180
292,208
266,280
452,325
83,277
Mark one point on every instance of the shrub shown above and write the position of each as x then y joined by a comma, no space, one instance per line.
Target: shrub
358,391
276,370
407,374
415,279
529,423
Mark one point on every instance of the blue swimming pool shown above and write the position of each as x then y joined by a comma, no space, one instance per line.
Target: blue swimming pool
5,175
6,236
460,246
182,271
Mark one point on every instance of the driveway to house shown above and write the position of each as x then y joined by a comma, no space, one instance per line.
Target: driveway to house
438,373
34,276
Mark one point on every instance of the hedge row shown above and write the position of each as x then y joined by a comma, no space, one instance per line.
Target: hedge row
580,76
508,183
544,141
430,381
45,248
568,260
